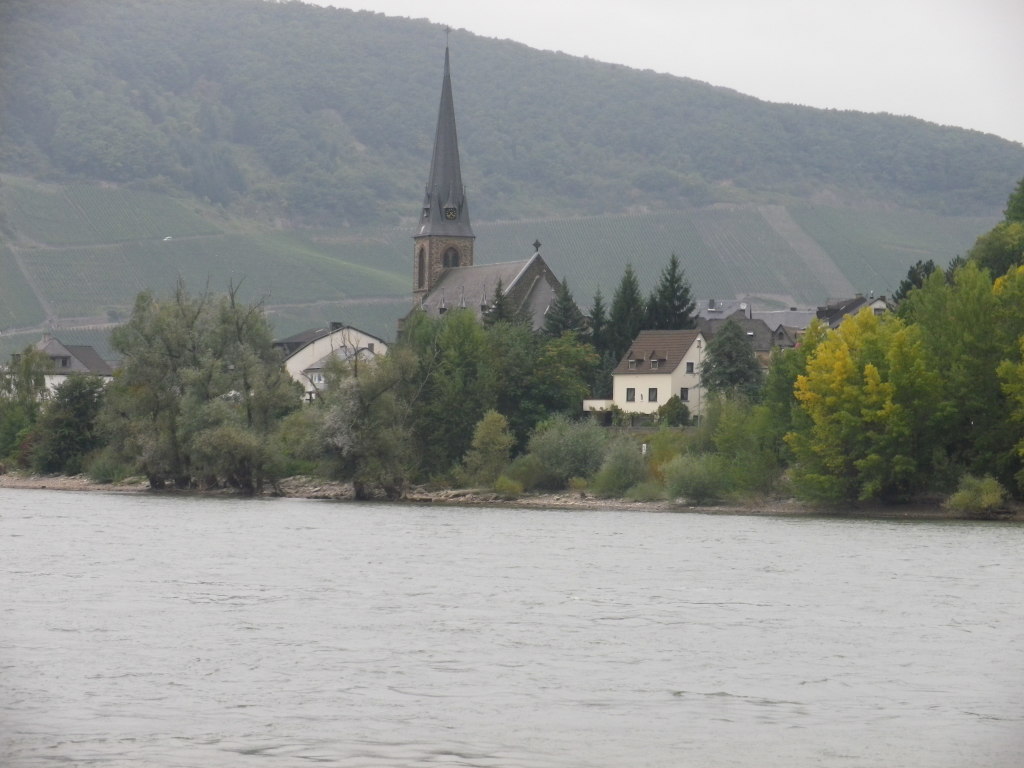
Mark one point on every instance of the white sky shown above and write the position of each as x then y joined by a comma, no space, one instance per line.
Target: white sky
954,62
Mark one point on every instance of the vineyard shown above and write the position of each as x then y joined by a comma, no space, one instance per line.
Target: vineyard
89,250
875,248
18,303
90,214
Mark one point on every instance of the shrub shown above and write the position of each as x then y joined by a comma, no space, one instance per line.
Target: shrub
489,453
106,467
674,413
578,484
699,478
648,490
508,488
568,449
530,473
978,496
623,467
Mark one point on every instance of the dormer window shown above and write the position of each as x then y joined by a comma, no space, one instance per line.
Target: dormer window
654,365
631,365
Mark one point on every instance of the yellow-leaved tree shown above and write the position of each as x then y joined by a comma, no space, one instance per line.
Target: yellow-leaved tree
872,407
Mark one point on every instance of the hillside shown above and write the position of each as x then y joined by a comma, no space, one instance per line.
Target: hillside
285,146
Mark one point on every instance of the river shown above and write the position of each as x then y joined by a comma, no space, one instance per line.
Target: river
147,630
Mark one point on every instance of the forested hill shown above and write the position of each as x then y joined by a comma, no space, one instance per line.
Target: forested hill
326,116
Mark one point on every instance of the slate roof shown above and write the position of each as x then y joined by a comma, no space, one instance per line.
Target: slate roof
91,359
757,331
444,185
669,347
81,358
473,288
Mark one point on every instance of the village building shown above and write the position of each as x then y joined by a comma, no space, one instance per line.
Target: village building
445,273
307,354
657,366
70,360
833,313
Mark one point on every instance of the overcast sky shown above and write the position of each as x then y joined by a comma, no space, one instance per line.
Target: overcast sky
954,62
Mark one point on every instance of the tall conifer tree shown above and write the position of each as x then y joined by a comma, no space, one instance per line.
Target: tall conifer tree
563,314
671,305
627,314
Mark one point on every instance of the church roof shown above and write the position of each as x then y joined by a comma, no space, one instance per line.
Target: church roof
530,282
445,191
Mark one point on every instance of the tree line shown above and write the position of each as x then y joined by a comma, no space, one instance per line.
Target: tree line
925,399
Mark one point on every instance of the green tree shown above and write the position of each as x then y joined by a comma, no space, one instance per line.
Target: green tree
566,449
1015,205
674,412
670,306
1000,249
22,387
730,365
199,392
490,451
627,314
66,432
967,329
366,423
915,278
599,323
454,394
502,309
565,366
563,315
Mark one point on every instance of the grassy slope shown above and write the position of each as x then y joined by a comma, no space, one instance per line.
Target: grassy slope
90,250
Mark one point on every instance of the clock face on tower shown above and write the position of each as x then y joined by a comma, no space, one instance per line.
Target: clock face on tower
451,213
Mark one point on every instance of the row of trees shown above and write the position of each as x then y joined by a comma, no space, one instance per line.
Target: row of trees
882,408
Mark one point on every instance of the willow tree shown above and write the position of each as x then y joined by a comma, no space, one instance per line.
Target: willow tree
199,392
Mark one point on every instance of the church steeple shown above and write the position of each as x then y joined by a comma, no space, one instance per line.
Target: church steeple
444,237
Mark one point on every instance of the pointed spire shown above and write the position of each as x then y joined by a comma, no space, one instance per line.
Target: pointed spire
445,210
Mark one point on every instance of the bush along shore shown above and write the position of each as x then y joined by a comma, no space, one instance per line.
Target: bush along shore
308,487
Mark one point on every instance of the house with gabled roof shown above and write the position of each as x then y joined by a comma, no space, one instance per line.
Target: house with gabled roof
835,312
70,360
657,365
308,353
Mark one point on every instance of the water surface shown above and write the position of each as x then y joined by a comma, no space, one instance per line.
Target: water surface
167,631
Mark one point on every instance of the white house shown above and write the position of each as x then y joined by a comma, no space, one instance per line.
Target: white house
308,353
70,360
658,365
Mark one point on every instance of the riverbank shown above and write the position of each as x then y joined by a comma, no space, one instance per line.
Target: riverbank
314,488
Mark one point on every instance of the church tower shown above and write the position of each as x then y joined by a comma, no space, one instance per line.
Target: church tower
443,238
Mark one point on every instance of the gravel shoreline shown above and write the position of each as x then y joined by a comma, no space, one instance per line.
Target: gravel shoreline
314,488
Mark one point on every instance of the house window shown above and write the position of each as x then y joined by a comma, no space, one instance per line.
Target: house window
652,395
631,364
654,365
684,394
689,367
630,395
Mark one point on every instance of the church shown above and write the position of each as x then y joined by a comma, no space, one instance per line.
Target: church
445,275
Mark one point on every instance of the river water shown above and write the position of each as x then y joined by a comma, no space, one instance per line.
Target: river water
141,630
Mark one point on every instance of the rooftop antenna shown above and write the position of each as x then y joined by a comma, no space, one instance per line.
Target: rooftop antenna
447,33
